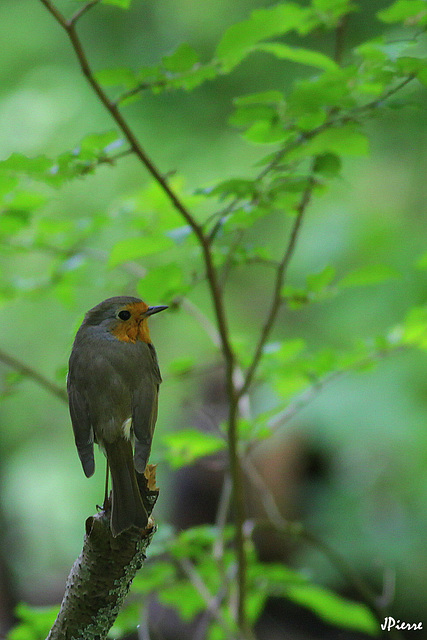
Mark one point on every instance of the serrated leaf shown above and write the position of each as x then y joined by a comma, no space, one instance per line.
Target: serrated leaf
134,248
334,609
297,54
238,40
183,59
188,445
367,275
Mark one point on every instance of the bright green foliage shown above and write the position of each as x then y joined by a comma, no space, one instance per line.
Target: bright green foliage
124,4
188,445
304,131
367,275
35,622
297,54
334,609
240,38
413,12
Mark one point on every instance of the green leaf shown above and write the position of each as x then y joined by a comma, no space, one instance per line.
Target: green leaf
334,609
234,187
410,11
161,283
35,622
155,576
263,97
367,275
330,89
134,248
184,598
119,76
297,54
181,366
188,445
415,328
239,39
17,163
266,132
95,143
346,140
247,115
183,59
316,282
328,165
123,4
329,11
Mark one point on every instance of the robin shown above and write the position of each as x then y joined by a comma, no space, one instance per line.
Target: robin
113,384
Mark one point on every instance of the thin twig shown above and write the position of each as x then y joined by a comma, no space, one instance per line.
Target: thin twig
302,138
287,527
215,290
31,373
212,602
81,11
277,300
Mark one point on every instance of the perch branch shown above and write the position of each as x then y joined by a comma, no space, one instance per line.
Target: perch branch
101,576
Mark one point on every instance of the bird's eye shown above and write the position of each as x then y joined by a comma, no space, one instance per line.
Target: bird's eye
124,315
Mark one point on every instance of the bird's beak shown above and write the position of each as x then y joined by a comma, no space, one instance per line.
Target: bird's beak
151,310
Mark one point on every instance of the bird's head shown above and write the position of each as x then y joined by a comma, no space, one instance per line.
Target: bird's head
124,317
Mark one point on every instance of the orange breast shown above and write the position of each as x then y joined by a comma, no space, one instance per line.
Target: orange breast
136,328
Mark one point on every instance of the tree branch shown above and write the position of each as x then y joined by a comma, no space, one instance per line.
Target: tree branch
31,373
215,290
101,576
297,529
277,300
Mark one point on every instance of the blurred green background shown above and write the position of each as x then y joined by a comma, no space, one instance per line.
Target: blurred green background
358,452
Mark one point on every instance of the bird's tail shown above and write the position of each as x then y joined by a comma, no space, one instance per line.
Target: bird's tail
127,508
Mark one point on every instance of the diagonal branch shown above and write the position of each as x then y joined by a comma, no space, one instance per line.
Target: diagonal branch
297,529
31,373
215,291
138,150
276,301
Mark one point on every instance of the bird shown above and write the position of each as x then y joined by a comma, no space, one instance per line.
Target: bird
113,385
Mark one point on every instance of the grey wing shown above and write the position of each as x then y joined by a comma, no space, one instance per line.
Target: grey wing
83,432
144,412
144,416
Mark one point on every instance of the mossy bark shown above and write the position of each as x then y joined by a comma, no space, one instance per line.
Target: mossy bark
101,576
